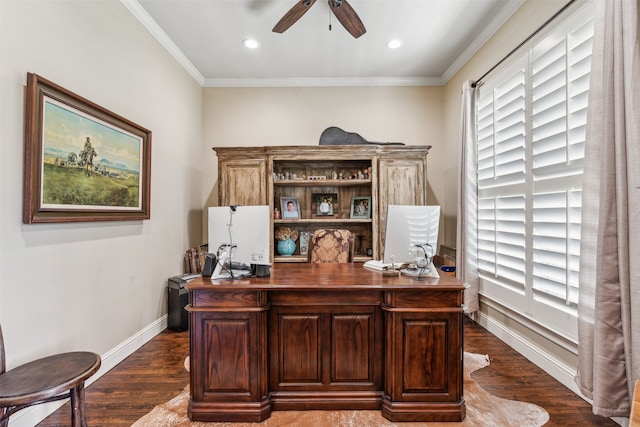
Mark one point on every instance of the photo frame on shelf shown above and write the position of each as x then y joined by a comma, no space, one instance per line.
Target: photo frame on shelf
290,207
326,204
82,161
360,207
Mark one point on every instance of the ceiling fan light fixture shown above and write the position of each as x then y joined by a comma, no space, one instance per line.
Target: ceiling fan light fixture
395,43
251,43
340,8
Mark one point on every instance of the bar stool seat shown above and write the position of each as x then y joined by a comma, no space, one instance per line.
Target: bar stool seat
48,379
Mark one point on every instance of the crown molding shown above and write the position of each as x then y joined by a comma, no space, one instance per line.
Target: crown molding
324,82
496,23
145,19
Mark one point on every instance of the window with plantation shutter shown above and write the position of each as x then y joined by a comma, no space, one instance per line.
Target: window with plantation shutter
530,124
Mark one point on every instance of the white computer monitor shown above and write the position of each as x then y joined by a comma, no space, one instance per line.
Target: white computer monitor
240,234
410,231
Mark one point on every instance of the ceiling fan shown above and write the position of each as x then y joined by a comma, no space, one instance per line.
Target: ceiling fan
341,9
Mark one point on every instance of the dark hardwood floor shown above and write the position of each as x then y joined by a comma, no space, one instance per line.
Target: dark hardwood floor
155,373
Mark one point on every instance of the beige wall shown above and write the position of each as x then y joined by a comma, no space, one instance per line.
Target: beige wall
297,116
94,285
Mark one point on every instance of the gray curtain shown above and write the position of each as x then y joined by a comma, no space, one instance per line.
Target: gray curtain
609,304
466,238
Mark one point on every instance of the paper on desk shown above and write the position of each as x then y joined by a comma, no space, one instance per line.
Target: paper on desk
379,265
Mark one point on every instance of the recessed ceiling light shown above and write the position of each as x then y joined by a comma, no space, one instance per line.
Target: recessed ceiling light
251,43
395,43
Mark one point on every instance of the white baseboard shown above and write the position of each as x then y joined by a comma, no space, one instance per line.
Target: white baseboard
31,416
544,360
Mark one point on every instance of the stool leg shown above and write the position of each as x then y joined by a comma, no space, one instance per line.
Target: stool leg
4,422
78,416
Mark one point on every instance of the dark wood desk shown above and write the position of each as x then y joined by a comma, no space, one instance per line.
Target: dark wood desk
326,336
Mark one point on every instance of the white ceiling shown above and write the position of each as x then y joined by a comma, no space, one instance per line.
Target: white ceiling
206,37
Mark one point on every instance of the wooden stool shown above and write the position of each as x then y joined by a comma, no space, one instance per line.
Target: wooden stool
46,380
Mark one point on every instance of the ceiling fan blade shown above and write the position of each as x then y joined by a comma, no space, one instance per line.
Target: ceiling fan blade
292,16
347,17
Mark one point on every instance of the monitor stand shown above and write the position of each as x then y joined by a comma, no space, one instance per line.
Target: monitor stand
428,271
260,270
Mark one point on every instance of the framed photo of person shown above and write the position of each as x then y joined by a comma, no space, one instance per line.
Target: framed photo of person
361,207
325,204
290,207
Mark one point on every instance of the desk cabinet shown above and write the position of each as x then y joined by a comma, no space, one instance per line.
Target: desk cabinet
423,374
228,353
325,354
326,336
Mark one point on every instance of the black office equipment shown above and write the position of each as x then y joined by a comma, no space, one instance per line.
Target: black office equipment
178,317
209,265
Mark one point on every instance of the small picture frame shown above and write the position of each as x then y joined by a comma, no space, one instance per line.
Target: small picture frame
290,207
326,204
361,207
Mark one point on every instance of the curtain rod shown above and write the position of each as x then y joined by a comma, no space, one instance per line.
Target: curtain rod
532,35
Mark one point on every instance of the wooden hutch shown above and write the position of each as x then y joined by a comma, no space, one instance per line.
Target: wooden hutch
388,174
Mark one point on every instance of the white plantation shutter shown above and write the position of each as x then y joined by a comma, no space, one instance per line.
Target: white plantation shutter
501,127
531,122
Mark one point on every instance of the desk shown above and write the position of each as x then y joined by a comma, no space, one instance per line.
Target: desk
326,336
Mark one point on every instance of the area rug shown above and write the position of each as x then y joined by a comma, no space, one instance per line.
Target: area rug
483,410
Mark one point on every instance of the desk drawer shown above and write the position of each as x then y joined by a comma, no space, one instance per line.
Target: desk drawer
325,298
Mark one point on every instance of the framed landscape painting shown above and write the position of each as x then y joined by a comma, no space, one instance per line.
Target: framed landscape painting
82,162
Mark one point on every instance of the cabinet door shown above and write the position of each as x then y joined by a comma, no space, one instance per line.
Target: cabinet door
243,182
401,182
324,349
424,356
425,350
